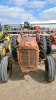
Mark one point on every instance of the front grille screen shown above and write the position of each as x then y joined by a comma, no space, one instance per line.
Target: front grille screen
28,57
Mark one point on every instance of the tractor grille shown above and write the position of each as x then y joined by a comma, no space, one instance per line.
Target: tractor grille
28,57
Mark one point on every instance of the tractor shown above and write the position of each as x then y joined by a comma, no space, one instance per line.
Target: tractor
6,27
28,49
37,28
4,42
53,38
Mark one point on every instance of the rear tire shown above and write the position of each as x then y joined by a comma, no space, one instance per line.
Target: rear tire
50,68
48,41
6,69
42,47
13,47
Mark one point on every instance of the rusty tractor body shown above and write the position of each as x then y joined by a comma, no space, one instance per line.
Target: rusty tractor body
27,51
28,54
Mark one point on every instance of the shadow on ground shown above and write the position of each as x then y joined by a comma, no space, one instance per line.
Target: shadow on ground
38,76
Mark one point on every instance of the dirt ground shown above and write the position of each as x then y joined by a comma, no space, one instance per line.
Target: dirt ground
28,86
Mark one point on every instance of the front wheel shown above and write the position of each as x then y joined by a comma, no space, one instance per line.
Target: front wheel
50,68
6,68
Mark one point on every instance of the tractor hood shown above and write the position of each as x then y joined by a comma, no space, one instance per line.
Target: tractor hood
28,42
28,54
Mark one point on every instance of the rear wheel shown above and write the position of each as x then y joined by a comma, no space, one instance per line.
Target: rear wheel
6,69
42,47
48,41
13,47
50,68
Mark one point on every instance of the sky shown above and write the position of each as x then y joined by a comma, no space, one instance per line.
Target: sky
17,11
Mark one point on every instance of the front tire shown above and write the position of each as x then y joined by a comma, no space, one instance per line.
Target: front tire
6,69
50,68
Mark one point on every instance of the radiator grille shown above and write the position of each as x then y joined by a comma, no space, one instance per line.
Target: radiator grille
28,57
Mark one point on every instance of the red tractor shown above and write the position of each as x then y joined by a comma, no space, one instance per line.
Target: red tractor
37,28
28,48
53,39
